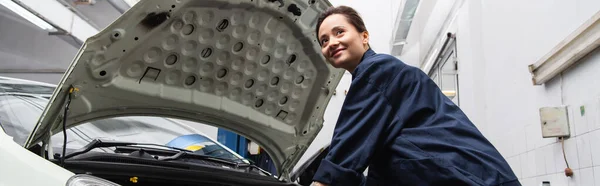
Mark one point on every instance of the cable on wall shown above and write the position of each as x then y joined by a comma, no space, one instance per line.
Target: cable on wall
568,171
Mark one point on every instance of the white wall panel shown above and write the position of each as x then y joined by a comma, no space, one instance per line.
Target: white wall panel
496,41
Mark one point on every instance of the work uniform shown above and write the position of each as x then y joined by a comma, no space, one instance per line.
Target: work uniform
396,121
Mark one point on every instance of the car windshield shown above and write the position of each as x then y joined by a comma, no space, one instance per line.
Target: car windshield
20,112
145,129
18,115
23,87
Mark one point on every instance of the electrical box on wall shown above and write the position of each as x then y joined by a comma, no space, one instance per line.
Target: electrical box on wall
555,122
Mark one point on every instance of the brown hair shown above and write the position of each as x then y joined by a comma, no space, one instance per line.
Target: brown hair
351,15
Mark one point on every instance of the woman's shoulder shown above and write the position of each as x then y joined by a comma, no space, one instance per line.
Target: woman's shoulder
379,64
380,69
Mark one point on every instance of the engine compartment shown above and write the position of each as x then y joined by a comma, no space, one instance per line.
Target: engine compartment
141,167
137,174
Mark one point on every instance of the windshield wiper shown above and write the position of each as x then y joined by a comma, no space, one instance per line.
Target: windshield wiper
189,154
97,143
216,159
254,167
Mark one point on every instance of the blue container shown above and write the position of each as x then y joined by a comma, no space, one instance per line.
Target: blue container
233,141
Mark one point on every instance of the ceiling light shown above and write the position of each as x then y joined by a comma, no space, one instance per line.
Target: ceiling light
400,43
131,2
449,93
27,15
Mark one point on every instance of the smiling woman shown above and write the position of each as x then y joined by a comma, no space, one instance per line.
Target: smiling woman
396,121
343,37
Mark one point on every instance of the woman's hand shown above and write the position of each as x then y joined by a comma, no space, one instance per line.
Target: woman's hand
317,184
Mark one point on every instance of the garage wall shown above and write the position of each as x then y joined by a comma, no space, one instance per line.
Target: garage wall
496,41
25,48
379,18
514,35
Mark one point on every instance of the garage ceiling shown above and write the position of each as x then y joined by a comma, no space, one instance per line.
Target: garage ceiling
99,14
27,51
25,47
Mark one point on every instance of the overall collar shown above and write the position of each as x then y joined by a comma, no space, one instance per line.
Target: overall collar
366,55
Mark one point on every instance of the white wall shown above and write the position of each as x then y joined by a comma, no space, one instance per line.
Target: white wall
378,18
497,40
514,35
429,19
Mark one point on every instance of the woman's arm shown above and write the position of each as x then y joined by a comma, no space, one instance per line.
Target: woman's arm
359,131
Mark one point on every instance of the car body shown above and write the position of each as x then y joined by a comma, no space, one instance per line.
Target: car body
22,167
22,101
19,165
253,67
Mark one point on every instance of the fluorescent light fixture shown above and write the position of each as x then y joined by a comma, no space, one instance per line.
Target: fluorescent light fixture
400,43
18,9
131,2
568,52
449,93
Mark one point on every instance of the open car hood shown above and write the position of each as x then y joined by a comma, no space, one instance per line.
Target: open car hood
250,66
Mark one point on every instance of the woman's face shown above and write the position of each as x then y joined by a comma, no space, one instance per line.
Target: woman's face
341,44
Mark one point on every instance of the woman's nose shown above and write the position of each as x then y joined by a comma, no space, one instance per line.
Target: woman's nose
333,44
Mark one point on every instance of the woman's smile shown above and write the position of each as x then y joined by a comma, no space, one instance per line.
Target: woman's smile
337,52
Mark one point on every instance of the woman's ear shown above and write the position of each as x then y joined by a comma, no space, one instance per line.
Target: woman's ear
365,37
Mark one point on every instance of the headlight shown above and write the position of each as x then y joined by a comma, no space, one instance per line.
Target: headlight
88,180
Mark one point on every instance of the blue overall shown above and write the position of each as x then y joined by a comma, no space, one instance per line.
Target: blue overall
396,121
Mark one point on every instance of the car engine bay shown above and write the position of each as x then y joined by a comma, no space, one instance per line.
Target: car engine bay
141,166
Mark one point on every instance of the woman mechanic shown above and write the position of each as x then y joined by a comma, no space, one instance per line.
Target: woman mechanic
396,121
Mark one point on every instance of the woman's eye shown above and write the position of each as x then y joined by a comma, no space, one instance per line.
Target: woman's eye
339,32
323,41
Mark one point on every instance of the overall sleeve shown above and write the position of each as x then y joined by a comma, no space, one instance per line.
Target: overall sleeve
364,116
